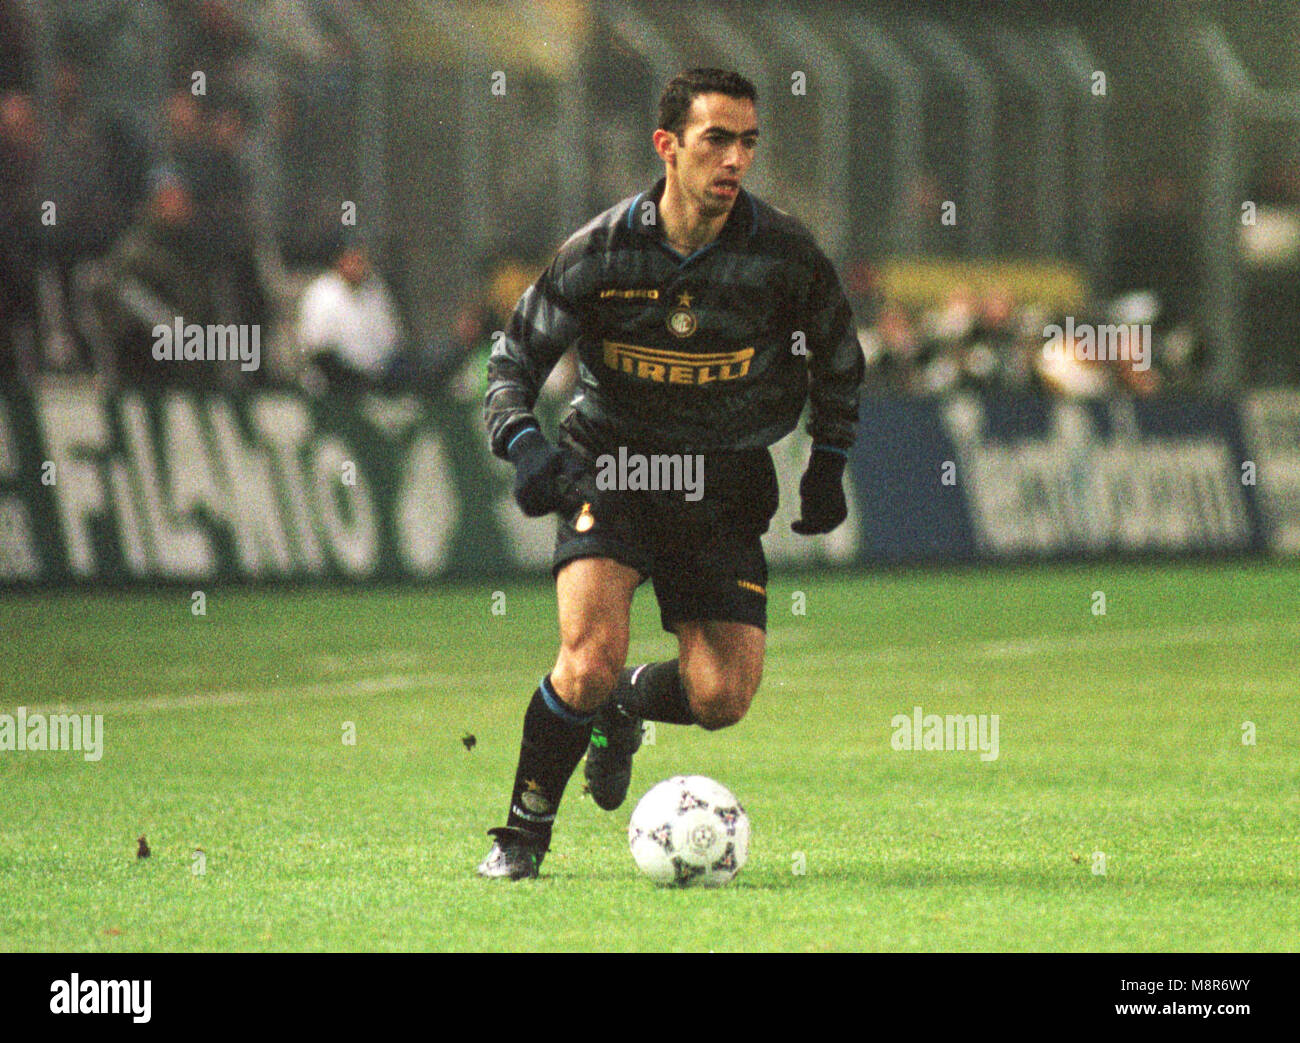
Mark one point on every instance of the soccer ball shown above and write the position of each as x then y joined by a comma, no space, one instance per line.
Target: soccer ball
689,831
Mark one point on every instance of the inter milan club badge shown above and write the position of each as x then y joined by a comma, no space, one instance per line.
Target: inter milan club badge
681,320
585,518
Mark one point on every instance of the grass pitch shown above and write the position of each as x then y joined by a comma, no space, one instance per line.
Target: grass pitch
1120,749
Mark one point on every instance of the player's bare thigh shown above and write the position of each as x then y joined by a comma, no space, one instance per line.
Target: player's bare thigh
721,666
594,596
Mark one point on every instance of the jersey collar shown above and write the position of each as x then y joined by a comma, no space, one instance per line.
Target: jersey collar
740,223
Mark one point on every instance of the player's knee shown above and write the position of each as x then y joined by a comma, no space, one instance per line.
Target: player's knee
720,705
720,697
585,678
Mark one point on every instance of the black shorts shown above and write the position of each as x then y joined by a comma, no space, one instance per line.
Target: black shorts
703,555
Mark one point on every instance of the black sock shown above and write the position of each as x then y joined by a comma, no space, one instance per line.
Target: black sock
654,692
555,738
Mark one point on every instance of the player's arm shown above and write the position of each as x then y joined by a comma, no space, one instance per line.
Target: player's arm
544,324
835,370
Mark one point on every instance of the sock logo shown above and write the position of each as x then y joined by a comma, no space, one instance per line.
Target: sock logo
533,799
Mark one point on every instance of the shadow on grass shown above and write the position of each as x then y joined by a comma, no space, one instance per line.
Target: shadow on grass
1071,880
588,877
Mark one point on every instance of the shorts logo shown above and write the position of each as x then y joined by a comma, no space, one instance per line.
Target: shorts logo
676,367
744,584
585,519
681,320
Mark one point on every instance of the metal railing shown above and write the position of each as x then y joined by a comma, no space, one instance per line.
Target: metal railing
900,113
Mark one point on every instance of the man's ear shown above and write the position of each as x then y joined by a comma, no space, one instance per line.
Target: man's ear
665,143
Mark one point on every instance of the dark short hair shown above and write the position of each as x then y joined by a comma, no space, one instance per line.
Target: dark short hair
339,241
675,102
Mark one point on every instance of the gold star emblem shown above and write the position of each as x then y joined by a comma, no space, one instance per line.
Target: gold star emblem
684,300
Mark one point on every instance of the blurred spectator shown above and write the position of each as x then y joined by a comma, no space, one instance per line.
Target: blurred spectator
115,43
348,326
159,271
21,137
890,345
15,69
76,173
993,343
209,35
185,143
1066,372
924,196
84,217
458,363
223,208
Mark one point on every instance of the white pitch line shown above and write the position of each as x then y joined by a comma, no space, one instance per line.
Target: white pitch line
1018,648
1066,644
1131,640
362,686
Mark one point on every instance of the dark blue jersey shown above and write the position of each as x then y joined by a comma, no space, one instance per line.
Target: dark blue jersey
715,351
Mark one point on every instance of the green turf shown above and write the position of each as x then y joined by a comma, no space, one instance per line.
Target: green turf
1119,734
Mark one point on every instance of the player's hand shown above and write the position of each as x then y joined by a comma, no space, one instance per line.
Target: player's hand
822,506
575,486
543,474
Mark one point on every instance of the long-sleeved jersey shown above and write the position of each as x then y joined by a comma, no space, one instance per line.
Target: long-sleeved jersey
716,351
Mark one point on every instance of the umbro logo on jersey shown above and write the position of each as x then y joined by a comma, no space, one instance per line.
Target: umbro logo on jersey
648,295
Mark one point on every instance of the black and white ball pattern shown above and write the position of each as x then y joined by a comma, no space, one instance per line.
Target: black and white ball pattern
689,831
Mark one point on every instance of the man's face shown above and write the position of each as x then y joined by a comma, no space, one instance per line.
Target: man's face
184,116
714,150
228,130
354,265
19,123
172,205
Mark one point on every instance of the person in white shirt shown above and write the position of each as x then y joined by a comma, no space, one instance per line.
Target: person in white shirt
348,326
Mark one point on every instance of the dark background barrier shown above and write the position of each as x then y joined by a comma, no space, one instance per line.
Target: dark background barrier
989,478
184,485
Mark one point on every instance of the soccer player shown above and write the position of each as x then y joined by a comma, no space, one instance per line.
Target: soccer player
704,320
